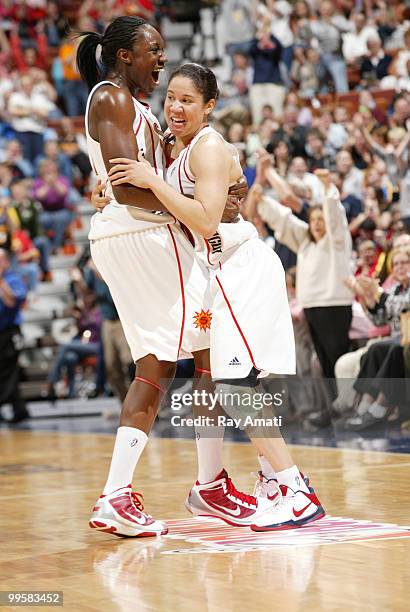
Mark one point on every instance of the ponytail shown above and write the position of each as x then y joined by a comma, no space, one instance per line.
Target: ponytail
120,34
86,58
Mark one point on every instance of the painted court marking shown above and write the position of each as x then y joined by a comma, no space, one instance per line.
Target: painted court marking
211,535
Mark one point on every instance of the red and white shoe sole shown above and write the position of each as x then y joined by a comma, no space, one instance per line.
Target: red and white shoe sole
123,531
204,513
319,514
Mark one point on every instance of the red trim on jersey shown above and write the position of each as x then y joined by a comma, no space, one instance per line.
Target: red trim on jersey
208,249
153,143
149,382
139,125
185,170
236,323
181,189
181,281
169,161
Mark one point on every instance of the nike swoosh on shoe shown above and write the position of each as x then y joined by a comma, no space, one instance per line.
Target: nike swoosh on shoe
235,512
298,513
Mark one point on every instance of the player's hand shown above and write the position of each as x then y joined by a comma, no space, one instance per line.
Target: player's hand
265,161
137,173
324,176
240,189
231,210
98,200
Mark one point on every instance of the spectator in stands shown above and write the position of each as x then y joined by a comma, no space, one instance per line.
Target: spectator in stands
401,112
399,67
8,223
395,153
353,206
43,87
12,155
317,157
74,90
29,113
73,145
28,213
382,366
301,23
29,52
52,191
328,30
117,356
267,86
291,132
335,134
6,176
52,152
385,21
86,343
26,258
352,176
238,20
12,296
298,169
375,66
280,28
55,25
367,261
306,72
355,42
280,149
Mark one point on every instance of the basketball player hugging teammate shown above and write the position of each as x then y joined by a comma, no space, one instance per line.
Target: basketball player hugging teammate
129,243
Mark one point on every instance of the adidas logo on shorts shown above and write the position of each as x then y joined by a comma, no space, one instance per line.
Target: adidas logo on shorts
235,361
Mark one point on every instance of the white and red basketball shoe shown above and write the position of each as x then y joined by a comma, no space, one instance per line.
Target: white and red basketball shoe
121,513
295,509
220,499
269,487
266,487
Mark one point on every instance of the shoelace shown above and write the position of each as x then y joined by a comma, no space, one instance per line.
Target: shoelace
138,500
259,489
244,497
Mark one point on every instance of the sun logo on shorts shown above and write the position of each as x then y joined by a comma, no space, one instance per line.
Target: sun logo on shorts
202,320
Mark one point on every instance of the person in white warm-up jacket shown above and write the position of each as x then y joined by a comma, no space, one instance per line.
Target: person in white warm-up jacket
324,248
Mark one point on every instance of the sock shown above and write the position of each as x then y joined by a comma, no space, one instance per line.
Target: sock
266,468
209,451
291,477
377,410
129,444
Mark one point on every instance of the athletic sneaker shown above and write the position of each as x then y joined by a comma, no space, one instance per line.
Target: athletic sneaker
266,487
269,487
220,499
121,513
295,509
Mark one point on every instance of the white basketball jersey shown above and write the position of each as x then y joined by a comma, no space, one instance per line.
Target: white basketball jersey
229,236
118,218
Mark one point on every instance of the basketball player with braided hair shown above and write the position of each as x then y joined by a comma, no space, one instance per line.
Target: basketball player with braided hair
142,253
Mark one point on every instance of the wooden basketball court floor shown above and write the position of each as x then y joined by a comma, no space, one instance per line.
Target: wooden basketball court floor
50,480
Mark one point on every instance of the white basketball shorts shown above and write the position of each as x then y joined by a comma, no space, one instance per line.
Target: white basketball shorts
157,286
251,321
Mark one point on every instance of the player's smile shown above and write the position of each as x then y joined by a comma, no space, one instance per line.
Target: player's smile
184,109
150,60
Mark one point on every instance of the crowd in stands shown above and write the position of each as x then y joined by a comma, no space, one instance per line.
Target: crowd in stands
321,91
312,86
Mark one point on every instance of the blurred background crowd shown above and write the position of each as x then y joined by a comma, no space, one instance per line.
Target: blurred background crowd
304,86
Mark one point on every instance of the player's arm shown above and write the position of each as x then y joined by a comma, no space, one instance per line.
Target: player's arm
210,163
115,117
